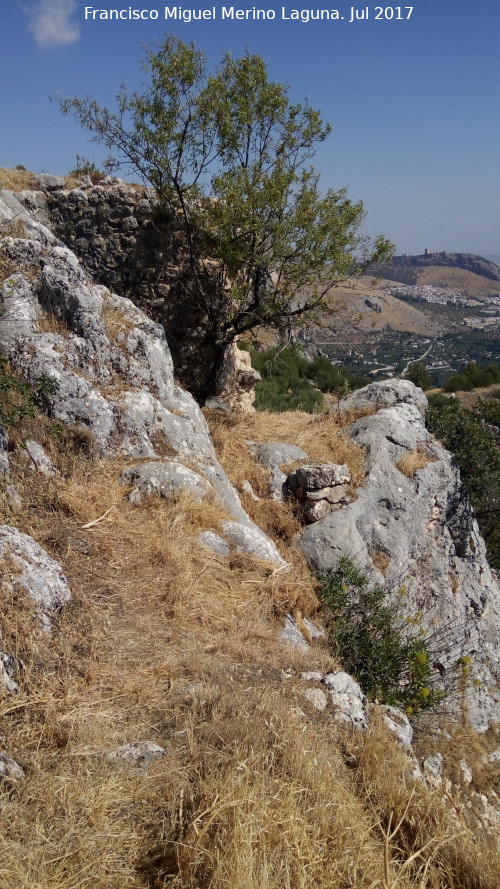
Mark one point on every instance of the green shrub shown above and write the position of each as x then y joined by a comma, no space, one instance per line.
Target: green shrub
290,381
464,434
17,398
418,374
385,652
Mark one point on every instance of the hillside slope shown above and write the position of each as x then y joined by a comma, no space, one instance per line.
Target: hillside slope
159,729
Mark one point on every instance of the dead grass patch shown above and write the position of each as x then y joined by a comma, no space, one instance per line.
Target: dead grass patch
322,437
50,323
166,641
413,461
116,322
17,180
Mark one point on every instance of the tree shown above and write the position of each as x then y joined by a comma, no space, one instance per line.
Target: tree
419,375
230,153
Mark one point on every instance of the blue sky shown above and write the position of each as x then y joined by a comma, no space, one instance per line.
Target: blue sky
414,103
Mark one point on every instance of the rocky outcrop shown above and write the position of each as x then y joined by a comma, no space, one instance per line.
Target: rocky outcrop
128,244
107,369
34,571
422,530
320,488
236,383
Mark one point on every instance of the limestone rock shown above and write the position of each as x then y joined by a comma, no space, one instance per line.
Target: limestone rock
215,542
425,526
236,382
432,768
109,363
399,724
291,635
137,753
252,541
48,182
164,479
316,697
41,462
313,476
35,571
10,769
347,698
275,453
386,393
4,459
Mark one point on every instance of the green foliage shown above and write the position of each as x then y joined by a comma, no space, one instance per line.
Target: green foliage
291,382
17,399
419,375
437,399
472,377
386,652
229,153
464,434
85,167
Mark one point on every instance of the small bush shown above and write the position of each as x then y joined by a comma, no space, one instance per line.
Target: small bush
384,651
472,444
17,398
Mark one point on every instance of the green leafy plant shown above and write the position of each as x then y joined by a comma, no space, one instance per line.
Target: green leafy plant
384,650
17,398
291,382
472,444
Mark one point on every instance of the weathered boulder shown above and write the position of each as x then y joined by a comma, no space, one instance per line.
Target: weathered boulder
273,455
348,700
137,753
35,572
10,769
250,540
425,529
236,382
386,393
215,542
41,462
163,479
319,487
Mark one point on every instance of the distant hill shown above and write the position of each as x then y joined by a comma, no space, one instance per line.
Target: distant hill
412,269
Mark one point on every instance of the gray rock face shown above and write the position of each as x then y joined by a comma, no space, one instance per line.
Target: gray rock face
215,542
387,393
137,753
9,768
425,527
163,479
110,364
273,455
38,457
319,487
35,571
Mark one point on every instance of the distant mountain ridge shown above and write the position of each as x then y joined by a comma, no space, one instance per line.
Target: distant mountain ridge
405,268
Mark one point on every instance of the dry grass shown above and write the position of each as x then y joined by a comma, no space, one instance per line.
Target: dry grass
116,322
413,461
165,641
322,437
16,180
50,323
